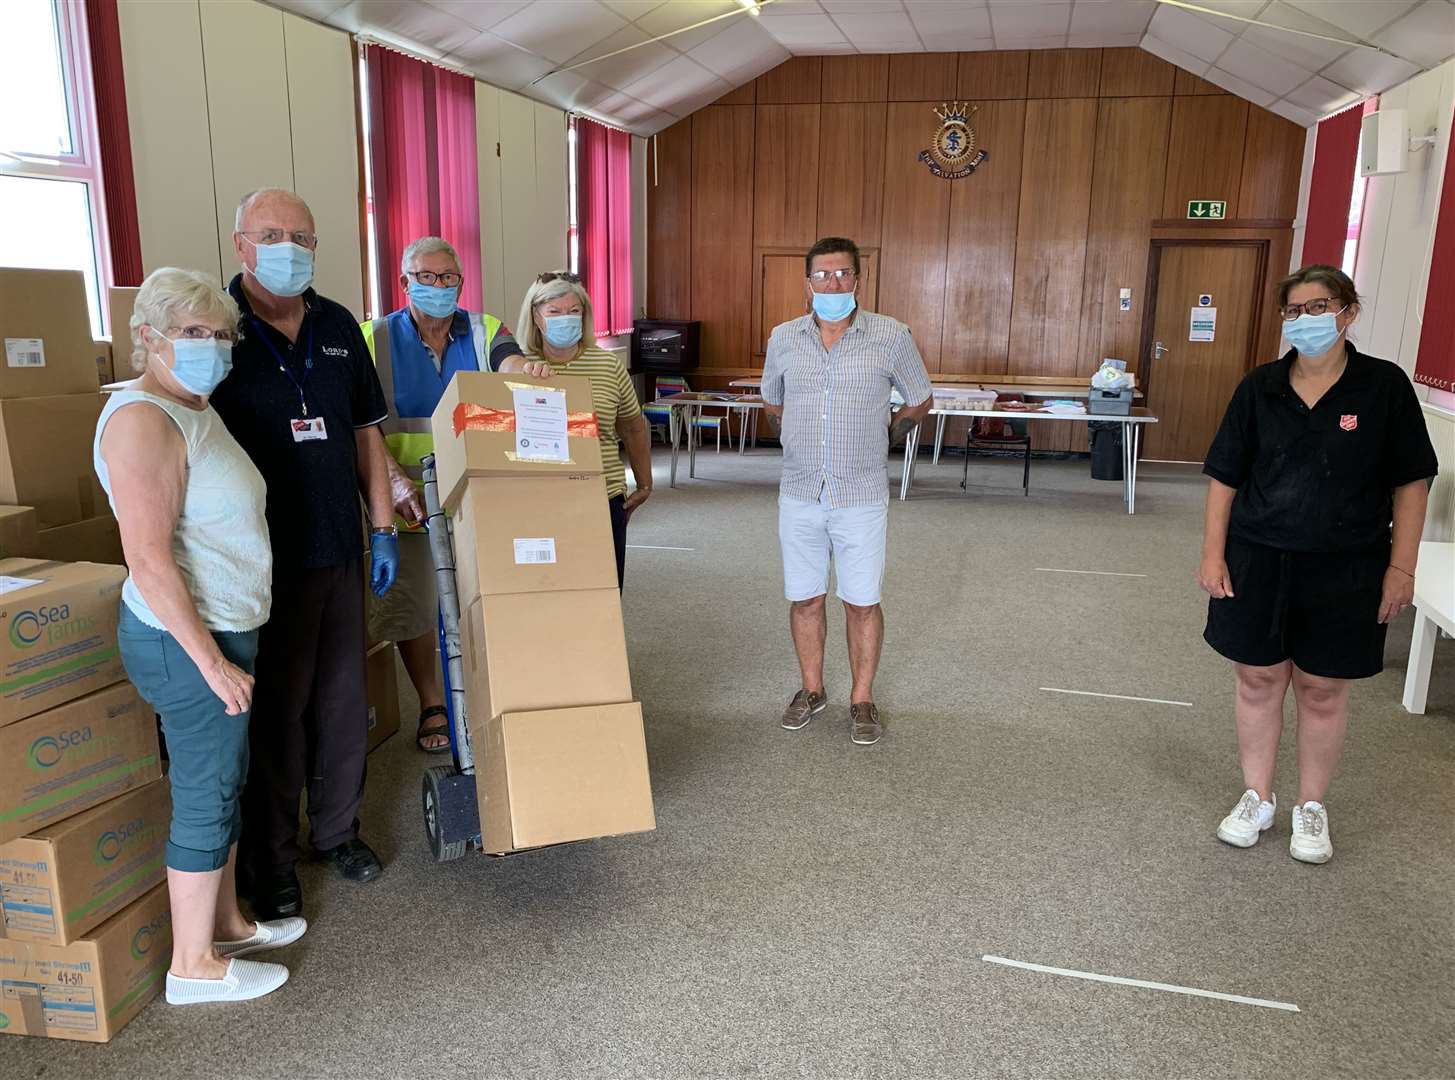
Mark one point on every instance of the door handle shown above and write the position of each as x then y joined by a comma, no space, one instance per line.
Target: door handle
1158,351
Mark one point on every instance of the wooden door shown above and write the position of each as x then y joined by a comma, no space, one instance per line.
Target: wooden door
1189,384
779,291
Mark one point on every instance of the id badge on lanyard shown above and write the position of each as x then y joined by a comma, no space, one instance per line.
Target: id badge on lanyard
305,428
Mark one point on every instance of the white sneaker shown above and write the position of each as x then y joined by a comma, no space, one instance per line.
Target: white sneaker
245,980
269,935
1310,842
1248,820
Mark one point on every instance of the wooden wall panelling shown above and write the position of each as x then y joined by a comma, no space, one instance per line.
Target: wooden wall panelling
786,175
747,94
778,289
1056,173
923,77
722,205
1205,155
1188,83
669,223
1126,196
916,224
798,81
997,75
1272,163
1134,72
851,171
1060,73
980,263
855,78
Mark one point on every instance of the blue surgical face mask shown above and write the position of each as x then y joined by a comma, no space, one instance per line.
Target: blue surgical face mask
563,331
833,306
1312,335
200,365
284,269
433,299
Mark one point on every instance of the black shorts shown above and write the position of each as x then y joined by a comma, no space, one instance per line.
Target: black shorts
1318,609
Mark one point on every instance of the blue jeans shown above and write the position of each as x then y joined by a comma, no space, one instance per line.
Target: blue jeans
208,749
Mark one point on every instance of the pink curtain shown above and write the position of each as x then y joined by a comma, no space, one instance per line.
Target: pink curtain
103,29
424,164
1435,362
604,219
1331,187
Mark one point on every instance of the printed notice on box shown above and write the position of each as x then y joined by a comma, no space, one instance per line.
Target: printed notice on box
10,584
1204,324
535,550
24,352
540,425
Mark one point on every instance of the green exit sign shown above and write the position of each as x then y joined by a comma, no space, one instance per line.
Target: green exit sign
1215,209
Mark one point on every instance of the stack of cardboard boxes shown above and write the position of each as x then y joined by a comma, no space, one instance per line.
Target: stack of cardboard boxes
85,938
558,740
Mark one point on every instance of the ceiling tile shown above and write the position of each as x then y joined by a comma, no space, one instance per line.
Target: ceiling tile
1426,35
414,23
319,10
804,30
1246,8
1358,17
1289,111
763,63
1256,94
683,13
1244,60
568,91
624,106
1173,55
559,30
860,7
736,47
1099,39
793,7
481,14
1029,20
618,71
1056,42
501,63
629,10
933,18
1111,16
682,78
824,48
1321,96
1369,72
1186,32
1307,52
878,26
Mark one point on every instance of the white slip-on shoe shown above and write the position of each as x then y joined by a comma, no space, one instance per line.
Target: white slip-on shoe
245,980
1310,842
1248,820
269,935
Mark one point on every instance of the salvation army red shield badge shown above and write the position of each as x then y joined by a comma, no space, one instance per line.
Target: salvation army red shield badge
1349,421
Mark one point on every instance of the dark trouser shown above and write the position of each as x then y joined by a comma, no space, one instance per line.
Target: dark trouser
310,716
617,505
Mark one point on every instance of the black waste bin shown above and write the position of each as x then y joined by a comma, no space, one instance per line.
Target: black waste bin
1106,449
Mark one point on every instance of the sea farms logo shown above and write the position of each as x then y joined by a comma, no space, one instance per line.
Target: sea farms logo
49,750
52,624
145,939
111,843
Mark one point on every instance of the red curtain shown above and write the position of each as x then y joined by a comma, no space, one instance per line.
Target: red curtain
1331,187
103,31
604,220
1435,362
425,171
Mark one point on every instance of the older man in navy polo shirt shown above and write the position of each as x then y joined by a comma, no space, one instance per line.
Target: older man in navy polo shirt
304,402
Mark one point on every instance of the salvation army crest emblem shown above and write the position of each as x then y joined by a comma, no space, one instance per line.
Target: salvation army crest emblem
953,152
1349,421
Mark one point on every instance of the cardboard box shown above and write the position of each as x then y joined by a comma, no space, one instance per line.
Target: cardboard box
64,880
17,532
93,540
475,431
101,350
561,775
383,693
45,453
529,534
92,989
46,327
120,303
553,650
62,762
57,633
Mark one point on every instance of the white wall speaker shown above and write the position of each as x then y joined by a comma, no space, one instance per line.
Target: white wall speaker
1384,142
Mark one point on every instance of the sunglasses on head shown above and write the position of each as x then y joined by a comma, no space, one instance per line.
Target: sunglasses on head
558,275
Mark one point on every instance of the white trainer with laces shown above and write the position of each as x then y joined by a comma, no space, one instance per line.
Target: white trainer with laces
269,935
1248,820
1310,842
245,980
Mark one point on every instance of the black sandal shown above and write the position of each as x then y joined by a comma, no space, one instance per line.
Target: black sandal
422,732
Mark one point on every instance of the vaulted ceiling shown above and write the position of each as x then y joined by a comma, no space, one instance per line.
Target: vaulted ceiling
523,45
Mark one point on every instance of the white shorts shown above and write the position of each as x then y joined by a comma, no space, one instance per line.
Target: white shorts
813,534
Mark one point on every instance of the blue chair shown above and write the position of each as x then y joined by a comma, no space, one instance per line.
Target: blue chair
670,385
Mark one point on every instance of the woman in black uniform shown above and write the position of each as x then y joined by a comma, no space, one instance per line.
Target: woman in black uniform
1319,478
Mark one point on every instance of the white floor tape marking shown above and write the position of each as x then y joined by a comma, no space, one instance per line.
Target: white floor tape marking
1118,697
1097,573
1169,987
654,547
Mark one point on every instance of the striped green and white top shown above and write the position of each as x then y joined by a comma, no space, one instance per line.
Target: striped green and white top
613,397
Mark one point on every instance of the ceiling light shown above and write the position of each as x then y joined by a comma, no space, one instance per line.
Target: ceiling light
751,6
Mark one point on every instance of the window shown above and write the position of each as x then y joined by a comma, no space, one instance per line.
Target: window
52,209
1356,215
573,232
371,236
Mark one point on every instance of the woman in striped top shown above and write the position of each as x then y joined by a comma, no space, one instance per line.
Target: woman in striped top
556,330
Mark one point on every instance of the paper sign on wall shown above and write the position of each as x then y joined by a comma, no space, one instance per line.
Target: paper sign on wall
1204,324
540,425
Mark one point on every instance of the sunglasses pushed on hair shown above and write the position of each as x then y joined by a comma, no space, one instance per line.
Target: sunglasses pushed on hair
558,275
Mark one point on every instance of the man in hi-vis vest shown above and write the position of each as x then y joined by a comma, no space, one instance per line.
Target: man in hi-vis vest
417,351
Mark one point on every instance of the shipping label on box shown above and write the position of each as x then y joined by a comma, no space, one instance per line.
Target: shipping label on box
74,757
57,633
91,989
61,881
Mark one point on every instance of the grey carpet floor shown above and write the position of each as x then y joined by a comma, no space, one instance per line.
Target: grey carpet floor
809,908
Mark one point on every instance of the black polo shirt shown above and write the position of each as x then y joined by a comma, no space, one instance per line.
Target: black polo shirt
313,504
1320,479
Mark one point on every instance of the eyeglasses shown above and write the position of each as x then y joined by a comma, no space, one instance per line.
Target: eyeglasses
201,333
558,275
277,236
1309,307
836,275
429,277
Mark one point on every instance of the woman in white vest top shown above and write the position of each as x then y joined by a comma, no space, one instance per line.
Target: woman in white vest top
190,506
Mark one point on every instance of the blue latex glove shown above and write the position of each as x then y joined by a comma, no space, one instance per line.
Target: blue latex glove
383,562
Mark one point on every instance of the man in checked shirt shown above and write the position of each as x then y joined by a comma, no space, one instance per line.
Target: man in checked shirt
828,375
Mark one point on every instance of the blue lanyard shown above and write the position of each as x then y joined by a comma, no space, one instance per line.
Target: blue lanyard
283,364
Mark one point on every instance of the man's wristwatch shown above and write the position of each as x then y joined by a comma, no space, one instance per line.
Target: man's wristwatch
384,530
